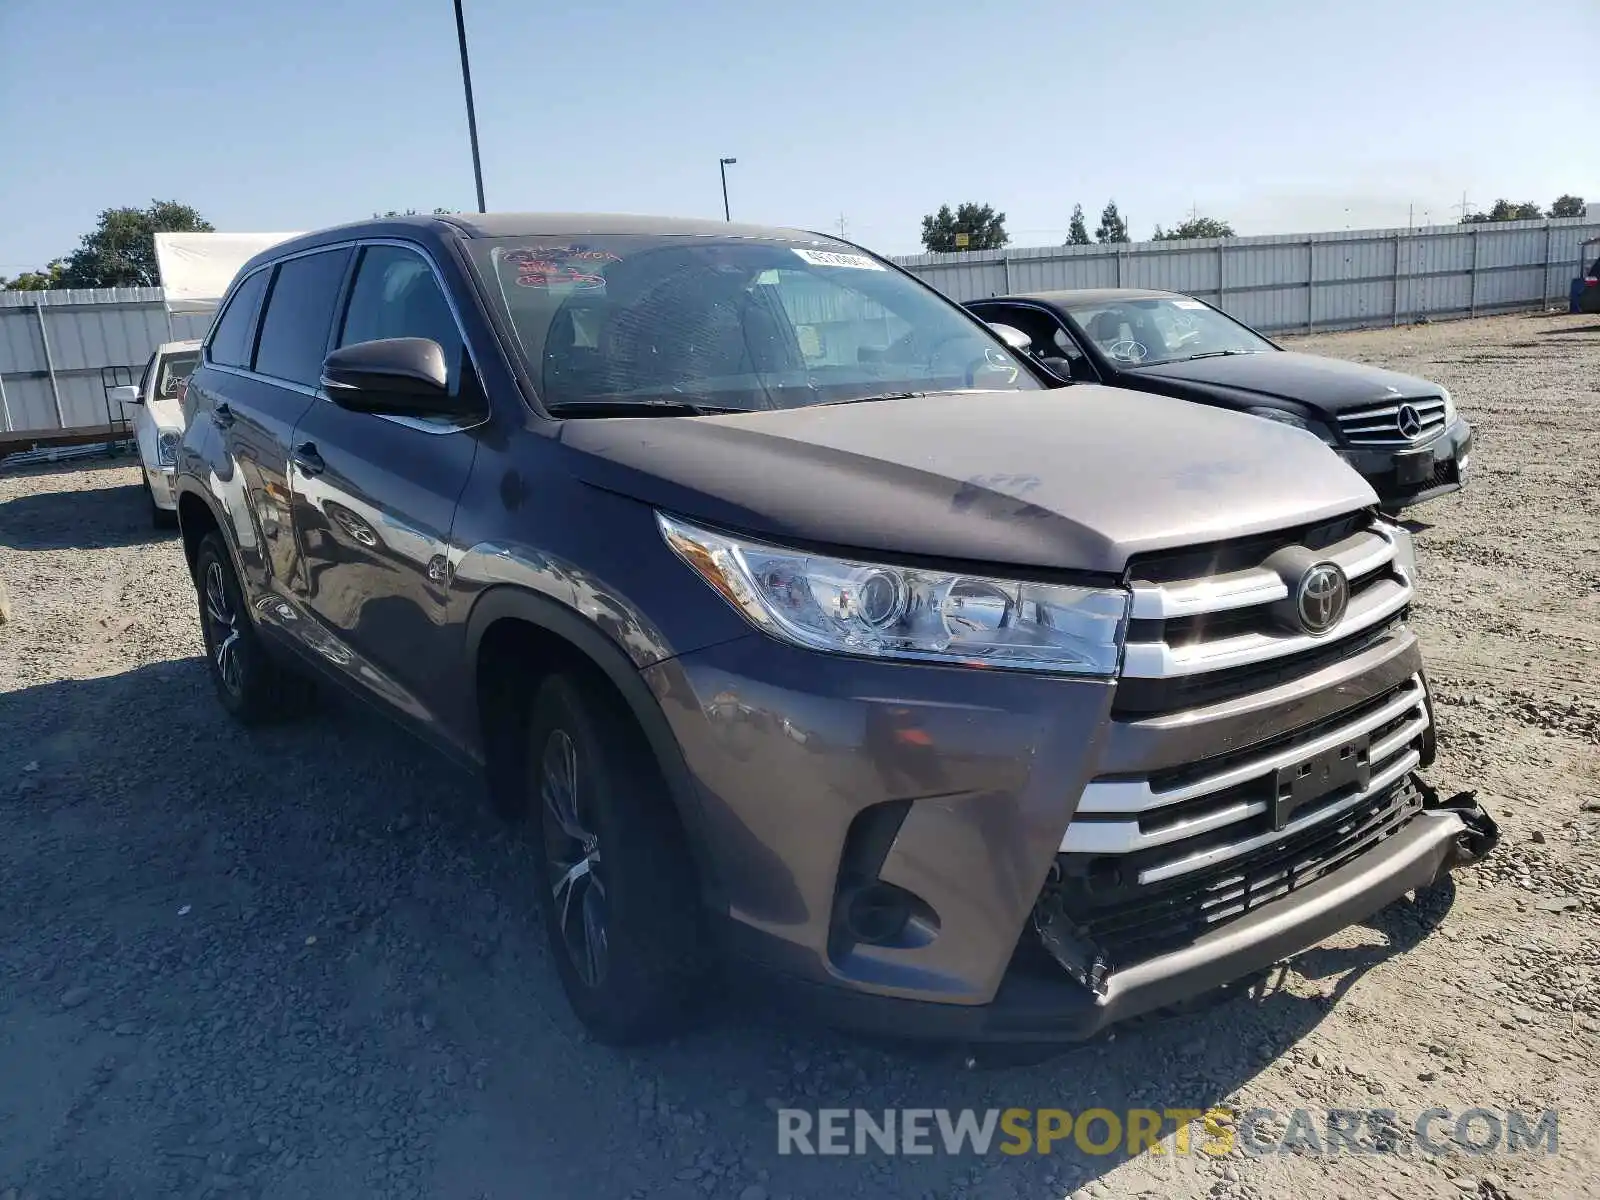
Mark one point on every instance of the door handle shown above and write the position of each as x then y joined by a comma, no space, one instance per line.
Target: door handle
222,414
305,457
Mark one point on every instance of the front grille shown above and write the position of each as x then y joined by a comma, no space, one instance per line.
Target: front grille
1129,922
1206,622
1220,807
1388,424
1213,797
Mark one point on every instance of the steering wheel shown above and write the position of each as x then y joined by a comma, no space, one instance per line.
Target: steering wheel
1127,350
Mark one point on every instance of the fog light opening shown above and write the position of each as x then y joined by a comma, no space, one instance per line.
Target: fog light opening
881,914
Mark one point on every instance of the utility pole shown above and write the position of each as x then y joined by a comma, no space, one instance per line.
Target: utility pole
1465,206
472,116
842,226
722,165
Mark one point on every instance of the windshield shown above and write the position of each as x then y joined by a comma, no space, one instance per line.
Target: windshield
1161,329
174,369
688,323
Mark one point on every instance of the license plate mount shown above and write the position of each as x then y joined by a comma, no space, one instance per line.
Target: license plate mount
1311,779
1415,467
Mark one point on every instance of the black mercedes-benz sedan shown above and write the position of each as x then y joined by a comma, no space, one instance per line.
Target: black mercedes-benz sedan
1401,432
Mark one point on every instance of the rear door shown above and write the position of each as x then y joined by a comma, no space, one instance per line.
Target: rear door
265,378
375,496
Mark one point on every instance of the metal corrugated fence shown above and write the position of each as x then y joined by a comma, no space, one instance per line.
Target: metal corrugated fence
53,346
1289,282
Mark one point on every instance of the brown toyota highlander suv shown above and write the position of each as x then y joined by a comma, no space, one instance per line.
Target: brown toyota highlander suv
816,638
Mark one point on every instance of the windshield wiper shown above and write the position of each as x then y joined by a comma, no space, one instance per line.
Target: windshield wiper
872,399
654,408
1216,354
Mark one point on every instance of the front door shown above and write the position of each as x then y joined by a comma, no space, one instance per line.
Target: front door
375,498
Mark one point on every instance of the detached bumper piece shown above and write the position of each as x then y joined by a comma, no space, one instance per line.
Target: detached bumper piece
1132,950
1479,835
1119,965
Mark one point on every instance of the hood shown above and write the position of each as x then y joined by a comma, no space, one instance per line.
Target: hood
1330,384
1078,479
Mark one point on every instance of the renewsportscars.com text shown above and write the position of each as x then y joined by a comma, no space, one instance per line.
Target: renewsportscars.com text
1211,1131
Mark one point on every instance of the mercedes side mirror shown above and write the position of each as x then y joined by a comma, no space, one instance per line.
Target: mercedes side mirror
127,393
1012,336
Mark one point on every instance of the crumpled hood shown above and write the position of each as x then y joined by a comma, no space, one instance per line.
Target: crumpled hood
1329,384
1077,479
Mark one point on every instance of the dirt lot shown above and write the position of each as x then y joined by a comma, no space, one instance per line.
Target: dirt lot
303,962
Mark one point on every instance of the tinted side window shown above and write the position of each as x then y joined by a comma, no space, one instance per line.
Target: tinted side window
294,330
396,295
230,340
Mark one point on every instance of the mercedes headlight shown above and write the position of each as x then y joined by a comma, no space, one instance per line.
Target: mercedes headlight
167,447
847,607
1449,407
1283,417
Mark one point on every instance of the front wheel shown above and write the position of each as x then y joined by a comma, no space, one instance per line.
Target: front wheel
620,903
253,687
160,518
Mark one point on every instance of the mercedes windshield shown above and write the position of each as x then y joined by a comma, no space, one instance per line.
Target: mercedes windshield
1142,331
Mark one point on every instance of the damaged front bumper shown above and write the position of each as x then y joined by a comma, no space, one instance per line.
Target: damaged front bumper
1085,993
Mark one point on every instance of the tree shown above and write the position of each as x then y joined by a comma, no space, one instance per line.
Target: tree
1195,227
985,228
37,281
1505,210
1112,227
1567,206
1078,231
121,252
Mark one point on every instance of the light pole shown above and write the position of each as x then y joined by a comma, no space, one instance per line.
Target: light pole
472,116
722,165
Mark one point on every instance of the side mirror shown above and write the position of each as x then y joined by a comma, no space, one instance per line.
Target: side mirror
1060,367
1012,336
127,393
397,376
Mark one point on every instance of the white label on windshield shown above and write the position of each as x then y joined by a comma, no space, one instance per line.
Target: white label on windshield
828,258
1187,304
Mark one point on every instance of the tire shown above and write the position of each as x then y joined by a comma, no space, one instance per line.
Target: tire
160,518
621,907
254,687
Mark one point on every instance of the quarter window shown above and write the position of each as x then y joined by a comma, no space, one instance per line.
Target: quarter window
230,338
396,295
294,331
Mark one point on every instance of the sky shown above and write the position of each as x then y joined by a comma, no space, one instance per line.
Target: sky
1277,115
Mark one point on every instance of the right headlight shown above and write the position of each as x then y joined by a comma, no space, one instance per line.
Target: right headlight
1449,407
167,447
1284,417
872,609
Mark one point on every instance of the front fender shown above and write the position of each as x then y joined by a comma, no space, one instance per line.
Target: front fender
597,645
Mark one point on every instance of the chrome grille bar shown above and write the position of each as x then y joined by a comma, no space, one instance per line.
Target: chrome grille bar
1358,556
1379,425
1127,836
1136,796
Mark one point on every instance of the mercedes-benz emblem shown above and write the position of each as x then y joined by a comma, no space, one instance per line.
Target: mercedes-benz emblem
1321,598
1409,421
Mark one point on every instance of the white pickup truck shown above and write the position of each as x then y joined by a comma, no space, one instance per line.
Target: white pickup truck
155,406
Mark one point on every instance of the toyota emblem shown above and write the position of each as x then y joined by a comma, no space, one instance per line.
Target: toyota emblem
1409,421
1321,598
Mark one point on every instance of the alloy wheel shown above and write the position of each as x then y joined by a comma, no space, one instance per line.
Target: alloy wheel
223,625
572,850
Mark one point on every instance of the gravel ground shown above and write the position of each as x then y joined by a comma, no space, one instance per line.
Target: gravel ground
304,962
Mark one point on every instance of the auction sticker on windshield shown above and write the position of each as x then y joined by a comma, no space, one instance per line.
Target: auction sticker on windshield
829,258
